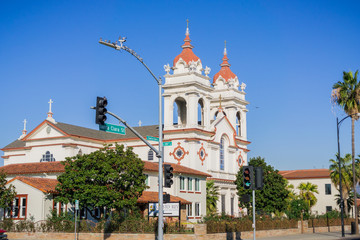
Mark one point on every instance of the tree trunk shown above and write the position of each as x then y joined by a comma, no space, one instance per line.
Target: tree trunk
345,197
354,175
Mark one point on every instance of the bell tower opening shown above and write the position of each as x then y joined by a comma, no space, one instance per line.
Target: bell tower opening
179,113
201,112
238,124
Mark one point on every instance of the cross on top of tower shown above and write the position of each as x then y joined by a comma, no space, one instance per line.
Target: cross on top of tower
50,114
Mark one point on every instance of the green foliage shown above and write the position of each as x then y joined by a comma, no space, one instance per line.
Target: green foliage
346,179
272,197
7,194
212,196
296,206
307,191
110,177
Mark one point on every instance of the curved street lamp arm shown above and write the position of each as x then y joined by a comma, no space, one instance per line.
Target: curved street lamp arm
132,52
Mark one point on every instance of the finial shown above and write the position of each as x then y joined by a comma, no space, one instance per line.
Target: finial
23,131
187,28
24,124
225,52
140,123
50,113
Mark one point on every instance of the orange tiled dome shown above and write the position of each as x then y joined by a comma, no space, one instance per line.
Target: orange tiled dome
187,54
225,71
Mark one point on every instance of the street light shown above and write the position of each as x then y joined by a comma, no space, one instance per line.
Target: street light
340,185
160,154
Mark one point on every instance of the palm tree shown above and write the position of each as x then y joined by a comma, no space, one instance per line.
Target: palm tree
307,191
212,196
346,94
349,202
346,177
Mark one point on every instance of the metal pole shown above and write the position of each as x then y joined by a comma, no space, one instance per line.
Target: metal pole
161,148
254,222
75,223
340,183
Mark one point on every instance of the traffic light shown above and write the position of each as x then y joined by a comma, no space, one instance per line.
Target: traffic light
166,198
259,178
100,116
168,175
248,174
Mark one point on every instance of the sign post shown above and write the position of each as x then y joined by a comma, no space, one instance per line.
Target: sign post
76,209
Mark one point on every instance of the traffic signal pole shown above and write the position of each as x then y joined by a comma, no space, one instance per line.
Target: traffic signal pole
254,221
160,152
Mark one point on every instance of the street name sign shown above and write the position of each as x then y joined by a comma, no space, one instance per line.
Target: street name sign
112,128
156,139
151,138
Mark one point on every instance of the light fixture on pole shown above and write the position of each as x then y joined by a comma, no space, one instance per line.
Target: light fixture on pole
160,154
340,177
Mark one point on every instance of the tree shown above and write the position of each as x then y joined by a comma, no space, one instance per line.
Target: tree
7,194
307,191
348,201
272,197
346,94
296,206
212,196
110,178
346,178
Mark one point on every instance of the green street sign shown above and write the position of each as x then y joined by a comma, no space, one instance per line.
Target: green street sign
167,144
156,139
150,138
112,128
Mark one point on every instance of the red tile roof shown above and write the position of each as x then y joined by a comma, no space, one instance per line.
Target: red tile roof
31,168
45,185
57,167
221,180
153,167
306,173
148,196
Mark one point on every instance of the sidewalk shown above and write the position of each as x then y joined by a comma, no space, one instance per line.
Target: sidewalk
312,236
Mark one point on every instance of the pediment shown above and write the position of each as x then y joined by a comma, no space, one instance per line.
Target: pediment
45,130
223,127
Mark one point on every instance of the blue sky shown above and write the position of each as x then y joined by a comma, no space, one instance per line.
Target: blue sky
289,54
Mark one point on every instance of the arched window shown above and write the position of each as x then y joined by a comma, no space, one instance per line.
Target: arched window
222,153
150,155
47,157
201,112
179,117
238,124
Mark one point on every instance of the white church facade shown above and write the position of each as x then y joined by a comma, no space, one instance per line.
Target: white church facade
204,119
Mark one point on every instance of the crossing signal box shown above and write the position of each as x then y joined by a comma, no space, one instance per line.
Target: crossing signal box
248,177
168,175
259,178
100,116
166,198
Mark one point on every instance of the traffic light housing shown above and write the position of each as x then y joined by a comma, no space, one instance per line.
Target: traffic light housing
168,175
259,178
100,116
166,198
248,177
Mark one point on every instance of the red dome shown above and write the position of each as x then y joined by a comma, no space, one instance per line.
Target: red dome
187,54
225,71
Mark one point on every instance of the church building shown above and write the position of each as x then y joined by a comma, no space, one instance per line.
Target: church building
204,119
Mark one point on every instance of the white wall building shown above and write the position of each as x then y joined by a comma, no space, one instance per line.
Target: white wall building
320,177
204,119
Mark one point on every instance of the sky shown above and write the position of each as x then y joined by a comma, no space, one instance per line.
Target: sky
288,53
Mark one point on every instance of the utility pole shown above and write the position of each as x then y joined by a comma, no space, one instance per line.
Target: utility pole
160,152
